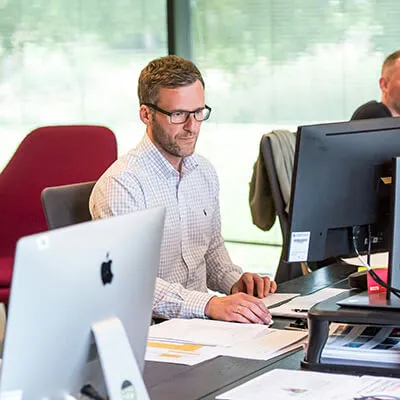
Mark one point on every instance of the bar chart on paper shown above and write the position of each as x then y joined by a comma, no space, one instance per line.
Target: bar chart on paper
179,353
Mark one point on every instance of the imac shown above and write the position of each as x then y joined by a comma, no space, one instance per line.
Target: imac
342,196
80,308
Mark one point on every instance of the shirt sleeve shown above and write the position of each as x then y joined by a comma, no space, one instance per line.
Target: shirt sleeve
222,274
172,300
110,197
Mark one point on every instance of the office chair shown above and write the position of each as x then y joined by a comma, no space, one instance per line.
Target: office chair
285,270
48,156
67,205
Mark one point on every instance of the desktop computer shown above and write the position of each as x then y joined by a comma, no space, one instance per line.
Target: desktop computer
342,197
80,308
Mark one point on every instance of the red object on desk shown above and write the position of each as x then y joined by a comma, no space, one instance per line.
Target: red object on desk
374,287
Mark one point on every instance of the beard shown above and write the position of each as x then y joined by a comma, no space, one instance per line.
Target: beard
396,106
171,144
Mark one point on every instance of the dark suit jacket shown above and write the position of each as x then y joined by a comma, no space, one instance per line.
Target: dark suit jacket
372,109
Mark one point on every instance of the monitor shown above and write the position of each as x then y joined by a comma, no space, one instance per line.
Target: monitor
80,305
342,189
341,179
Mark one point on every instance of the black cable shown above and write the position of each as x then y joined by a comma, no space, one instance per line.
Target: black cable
369,245
374,275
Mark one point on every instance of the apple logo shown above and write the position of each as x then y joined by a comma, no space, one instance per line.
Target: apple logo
128,391
106,273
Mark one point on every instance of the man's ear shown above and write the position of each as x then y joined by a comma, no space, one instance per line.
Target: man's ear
145,114
383,84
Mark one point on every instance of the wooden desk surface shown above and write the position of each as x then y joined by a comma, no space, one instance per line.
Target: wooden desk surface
212,377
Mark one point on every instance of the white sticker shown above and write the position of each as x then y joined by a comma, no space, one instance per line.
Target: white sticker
299,244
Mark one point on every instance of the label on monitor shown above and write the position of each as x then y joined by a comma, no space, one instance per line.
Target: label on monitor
299,244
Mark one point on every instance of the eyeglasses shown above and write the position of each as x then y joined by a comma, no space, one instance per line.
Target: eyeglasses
181,116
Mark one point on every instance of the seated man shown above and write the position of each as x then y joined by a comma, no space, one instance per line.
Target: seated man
163,170
389,83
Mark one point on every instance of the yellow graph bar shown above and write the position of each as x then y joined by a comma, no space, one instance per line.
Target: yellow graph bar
170,355
173,346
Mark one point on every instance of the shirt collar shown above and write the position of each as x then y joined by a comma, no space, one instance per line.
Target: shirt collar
147,147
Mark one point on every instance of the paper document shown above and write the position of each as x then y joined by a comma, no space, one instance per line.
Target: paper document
179,353
282,384
375,386
263,347
205,331
276,298
299,306
272,343
192,341
363,345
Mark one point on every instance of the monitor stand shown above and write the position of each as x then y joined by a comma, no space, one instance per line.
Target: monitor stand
121,373
323,314
373,300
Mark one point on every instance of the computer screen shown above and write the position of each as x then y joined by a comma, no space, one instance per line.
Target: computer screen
66,281
341,180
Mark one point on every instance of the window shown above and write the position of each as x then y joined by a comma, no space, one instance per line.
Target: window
276,65
74,62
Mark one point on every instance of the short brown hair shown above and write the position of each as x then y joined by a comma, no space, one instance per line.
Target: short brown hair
166,72
390,60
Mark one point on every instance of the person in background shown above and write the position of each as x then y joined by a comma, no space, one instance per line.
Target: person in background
163,170
389,84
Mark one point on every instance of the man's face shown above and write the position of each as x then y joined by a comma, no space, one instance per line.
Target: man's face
390,86
176,141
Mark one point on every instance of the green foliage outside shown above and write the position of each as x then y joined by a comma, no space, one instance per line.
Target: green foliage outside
267,64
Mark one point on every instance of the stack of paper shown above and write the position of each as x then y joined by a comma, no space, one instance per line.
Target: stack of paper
205,331
273,343
190,341
363,345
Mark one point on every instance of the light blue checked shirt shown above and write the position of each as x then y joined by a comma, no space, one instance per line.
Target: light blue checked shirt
193,254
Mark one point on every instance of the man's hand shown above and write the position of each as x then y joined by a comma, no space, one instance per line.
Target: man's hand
238,307
254,285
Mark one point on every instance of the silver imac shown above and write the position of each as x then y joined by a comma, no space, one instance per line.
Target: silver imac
80,308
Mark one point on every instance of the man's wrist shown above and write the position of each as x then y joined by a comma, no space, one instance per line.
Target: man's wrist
208,307
229,280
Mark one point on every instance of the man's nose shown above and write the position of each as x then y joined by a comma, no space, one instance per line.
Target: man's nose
190,123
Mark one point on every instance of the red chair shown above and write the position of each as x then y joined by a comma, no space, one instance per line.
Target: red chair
48,156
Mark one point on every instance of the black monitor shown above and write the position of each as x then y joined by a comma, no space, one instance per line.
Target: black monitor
343,197
341,186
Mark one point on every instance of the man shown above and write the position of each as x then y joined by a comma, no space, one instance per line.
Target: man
389,83
163,170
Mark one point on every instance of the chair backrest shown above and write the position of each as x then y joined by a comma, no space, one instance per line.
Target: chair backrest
67,205
48,156
285,271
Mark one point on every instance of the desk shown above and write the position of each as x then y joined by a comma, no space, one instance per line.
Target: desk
212,377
